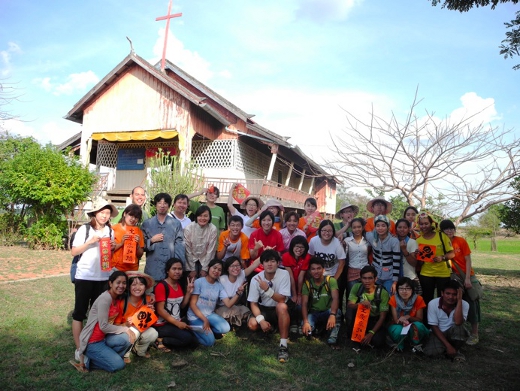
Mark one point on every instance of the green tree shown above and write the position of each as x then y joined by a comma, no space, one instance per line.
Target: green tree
510,213
343,196
490,222
511,45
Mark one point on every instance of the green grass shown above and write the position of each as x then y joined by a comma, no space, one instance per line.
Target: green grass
36,342
504,246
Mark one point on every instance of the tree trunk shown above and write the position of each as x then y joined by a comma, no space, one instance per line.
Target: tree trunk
493,244
474,243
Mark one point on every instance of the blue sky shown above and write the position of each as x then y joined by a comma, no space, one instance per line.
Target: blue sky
295,64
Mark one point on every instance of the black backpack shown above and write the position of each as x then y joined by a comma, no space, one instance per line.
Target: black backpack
311,289
377,295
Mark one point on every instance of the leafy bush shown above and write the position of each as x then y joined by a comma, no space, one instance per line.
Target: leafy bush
46,234
12,228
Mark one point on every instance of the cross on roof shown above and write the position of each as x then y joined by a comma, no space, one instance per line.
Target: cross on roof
167,17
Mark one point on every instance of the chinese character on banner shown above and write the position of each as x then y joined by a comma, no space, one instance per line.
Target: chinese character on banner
130,246
144,318
105,252
360,323
426,252
240,193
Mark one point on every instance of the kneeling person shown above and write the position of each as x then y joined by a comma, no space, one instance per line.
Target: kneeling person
320,302
269,298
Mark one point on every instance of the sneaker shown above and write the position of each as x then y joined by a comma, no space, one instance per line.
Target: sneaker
331,341
472,340
417,348
283,354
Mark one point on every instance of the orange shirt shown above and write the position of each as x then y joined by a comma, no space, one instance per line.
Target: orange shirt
238,248
461,249
117,256
312,228
369,227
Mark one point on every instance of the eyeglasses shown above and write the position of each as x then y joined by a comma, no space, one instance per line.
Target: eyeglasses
299,248
235,267
326,231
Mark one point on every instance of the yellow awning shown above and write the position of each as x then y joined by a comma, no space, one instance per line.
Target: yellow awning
145,135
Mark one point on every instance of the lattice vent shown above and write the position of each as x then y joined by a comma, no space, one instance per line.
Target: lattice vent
214,154
106,155
251,161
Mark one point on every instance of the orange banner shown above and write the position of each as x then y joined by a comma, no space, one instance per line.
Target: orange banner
240,193
426,252
105,252
360,323
144,318
130,246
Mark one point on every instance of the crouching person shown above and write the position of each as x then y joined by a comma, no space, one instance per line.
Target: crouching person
320,302
368,294
268,296
446,316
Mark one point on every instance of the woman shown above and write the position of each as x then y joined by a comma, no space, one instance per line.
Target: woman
291,230
410,214
234,280
408,248
310,221
200,240
296,261
434,251
201,314
346,214
462,261
170,299
135,299
273,206
102,344
358,250
407,309
126,230
265,237
328,247
250,205
386,252
90,279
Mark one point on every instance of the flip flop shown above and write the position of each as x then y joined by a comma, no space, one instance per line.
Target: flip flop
79,367
160,347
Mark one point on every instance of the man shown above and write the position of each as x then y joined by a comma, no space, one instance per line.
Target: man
320,302
138,197
446,316
234,242
379,206
269,295
368,294
180,205
163,238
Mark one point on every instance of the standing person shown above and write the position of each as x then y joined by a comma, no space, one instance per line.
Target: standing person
233,242
180,206
233,279
407,308
435,271
170,299
200,240
461,262
136,298
137,197
90,279
346,214
296,261
265,237
320,304
291,230
273,206
102,344
201,314
127,228
269,300
410,214
250,205
310,221
358,249
163,238
218,217
366,294
446,316
408,248
387,254
379,206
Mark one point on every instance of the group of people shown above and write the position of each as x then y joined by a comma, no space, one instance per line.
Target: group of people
269,270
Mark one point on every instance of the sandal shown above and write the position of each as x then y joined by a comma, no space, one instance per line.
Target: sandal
159,346
459,357
79,367
127,360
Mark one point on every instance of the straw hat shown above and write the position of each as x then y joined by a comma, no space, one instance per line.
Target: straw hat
257,199
149,280
99,204
370,204
273,202
346,205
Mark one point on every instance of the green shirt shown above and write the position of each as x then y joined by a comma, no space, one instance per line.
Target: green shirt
321,299
374,310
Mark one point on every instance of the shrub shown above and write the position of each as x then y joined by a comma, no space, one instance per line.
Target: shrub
46,234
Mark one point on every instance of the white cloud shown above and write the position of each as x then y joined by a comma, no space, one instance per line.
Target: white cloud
6,56
44,132
21,128
322,10
76,82
476,109
189,61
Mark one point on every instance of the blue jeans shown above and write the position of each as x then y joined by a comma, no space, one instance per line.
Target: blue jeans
387,284
321,318
108,353
218,325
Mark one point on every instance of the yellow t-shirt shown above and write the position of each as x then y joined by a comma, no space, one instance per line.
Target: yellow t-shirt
436,269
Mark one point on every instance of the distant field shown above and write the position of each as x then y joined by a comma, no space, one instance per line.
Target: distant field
506,246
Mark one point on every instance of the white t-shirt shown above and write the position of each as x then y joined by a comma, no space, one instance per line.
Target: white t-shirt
330,253
89,266
209,295
409,270
232,287
281,284
437,317
184,221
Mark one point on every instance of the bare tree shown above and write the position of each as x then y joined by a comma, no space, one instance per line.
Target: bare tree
471,166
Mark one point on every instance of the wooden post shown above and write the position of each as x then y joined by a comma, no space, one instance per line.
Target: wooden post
301,180
274,151
311,186
291,167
